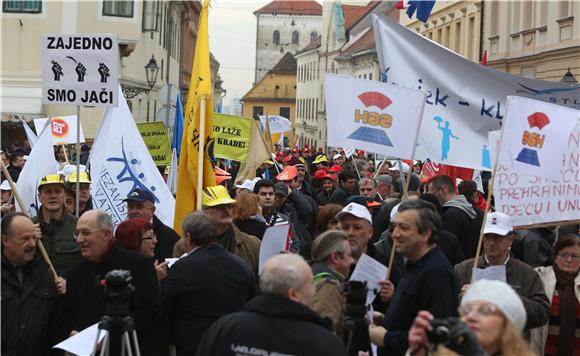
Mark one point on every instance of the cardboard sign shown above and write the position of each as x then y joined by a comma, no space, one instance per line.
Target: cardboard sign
63,128
231,136
80,69
533,199
155,138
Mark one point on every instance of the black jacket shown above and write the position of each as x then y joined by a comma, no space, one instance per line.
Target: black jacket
252,227
271,325
166,239
340,196
323,198
307,189
85,298
465,223
202,287
29,310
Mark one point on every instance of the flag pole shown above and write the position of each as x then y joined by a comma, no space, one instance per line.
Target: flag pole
200,153
78,149
24,211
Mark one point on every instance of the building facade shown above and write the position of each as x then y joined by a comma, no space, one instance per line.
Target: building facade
533,39
284,26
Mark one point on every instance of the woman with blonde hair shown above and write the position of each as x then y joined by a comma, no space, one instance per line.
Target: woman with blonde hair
248,214
492,318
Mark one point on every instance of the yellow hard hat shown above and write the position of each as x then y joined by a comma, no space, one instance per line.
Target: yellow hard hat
320,159
216,195
51,179
84,177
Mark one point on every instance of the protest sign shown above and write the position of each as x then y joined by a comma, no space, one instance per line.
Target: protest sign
80,69
464,100
63,129
532,200
373,116
532,136
231,136
155,138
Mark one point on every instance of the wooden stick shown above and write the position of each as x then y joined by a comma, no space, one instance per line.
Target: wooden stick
24,209
65,154
200,153
391,260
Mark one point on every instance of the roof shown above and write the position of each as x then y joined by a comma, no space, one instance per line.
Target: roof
313,44
291,8
353,14
286,65
366,42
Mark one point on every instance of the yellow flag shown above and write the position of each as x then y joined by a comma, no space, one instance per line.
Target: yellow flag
258,153
200,91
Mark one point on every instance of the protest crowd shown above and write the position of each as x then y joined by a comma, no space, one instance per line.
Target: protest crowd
219,298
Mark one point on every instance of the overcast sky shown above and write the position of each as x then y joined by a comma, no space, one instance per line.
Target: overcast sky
232,40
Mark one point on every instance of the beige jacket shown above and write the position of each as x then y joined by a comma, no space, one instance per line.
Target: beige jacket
548,277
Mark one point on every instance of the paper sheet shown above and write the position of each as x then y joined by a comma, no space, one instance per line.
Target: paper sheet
171,261
370,270
273,242
492,273
82,343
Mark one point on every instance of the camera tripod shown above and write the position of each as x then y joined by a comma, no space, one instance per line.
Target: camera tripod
123,327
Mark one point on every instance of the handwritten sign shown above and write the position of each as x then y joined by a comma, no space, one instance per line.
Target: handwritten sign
532,199
232,136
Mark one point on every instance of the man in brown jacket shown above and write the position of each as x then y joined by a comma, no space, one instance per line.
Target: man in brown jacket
331,262
218,204
497,239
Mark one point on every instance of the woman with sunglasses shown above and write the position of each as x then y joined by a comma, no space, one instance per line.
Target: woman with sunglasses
561,336
137,235
492,317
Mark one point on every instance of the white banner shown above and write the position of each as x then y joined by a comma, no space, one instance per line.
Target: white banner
80,69
533,199
63,129
120,162
41,162
276,123
373,116
532,136
465,100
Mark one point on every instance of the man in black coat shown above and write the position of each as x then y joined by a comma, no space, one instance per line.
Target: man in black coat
278,322
85,299
346,187
141,204
203,286
29,294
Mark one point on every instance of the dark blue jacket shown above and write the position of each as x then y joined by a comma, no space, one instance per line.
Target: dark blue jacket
202,287
427,284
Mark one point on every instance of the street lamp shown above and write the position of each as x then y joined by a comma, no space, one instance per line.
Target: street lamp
568,77
151,71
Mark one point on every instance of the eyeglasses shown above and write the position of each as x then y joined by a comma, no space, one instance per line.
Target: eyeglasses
154,238
565,256
484,310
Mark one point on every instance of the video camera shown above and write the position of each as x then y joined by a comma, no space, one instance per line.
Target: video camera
118,289
356,332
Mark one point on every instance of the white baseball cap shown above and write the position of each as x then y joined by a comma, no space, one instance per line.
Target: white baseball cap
5,185
356,210
498,223
337,156
406,167
394,212
248,184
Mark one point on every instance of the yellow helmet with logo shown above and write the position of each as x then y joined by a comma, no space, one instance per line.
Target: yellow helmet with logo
51,179
216,195
84,177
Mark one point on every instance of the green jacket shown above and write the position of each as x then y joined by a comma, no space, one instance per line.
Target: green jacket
59,241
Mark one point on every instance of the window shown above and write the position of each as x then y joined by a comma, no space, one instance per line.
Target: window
150,15
564,8
370,78
119,8
276,38
285,112
313,36
22,6
295,38
494,15
257,111
528,15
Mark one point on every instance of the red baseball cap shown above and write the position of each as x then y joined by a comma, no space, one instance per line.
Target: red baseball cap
288,173
335,169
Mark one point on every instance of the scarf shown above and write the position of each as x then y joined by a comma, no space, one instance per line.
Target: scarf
565,287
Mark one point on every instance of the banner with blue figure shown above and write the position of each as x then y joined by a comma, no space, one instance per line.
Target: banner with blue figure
464,100
120,162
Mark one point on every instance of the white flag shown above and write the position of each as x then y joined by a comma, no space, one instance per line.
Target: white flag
348,152
373,116
173,172
64,129
40,163
120,162
276,123
534,136
30,135
478,179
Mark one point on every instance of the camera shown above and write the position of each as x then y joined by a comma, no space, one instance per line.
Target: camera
356,333
118,289
356,298
440,331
